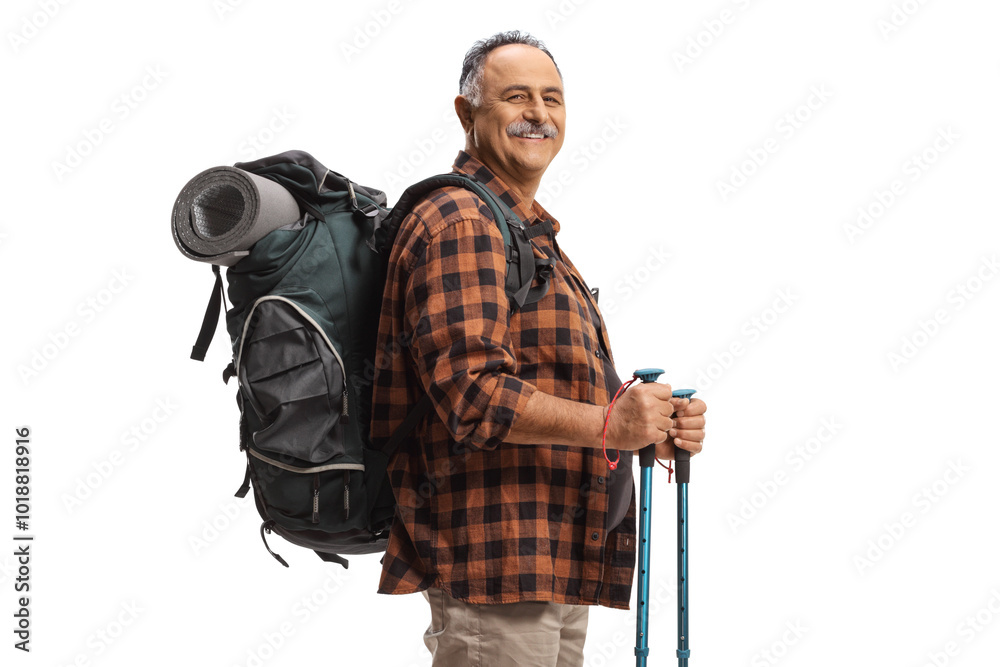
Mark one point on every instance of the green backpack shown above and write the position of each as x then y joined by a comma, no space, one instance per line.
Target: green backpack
304,319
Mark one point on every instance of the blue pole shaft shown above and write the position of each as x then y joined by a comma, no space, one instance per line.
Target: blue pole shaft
647,455
642,618
682,575
682,461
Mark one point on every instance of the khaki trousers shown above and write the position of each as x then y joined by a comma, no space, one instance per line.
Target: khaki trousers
533,634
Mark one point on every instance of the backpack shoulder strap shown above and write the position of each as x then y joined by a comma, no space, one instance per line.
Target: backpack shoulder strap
386,230
516,236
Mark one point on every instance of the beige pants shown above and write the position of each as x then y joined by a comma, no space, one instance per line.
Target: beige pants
533,634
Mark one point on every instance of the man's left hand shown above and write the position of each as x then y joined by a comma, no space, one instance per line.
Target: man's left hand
688,431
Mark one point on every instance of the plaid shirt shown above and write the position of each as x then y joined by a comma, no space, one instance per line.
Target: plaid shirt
485,520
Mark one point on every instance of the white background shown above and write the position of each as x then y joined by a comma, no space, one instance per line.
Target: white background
101,310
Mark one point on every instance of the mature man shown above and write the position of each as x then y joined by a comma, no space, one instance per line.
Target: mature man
508,517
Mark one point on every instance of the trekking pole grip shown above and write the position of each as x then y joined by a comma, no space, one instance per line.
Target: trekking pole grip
682,457
647,455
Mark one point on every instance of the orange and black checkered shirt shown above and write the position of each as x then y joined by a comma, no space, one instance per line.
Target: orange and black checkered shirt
485,520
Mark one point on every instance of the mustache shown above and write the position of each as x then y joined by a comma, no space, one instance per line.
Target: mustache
519,128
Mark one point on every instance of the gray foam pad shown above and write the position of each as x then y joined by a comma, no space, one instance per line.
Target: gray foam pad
223,211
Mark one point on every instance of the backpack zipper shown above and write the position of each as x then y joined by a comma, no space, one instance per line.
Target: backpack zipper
343,410
347,494
315,497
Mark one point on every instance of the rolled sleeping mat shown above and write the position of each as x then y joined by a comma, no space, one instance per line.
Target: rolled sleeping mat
223,211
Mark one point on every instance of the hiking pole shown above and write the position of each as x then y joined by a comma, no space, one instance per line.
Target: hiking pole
682,459
647,456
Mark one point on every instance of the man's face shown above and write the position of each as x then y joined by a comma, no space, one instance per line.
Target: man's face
518,128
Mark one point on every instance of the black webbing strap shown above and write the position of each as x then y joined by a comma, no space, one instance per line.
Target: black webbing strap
539,229
266,528
244,446
245,486
331,558
525,267
376,468
543,271
211,320
530,267
410,423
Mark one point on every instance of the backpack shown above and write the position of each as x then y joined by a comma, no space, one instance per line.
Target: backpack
303,320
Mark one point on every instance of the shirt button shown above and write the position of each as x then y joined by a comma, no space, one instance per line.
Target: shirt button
598,353
600,480
595,535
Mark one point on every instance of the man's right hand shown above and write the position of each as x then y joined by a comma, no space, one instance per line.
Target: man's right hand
642,416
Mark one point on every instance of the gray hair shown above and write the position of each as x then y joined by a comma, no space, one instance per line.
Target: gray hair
470,83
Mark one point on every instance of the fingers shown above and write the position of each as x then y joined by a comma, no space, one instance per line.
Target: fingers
658,432
658,400
664,392
680,406
653,392
697,407
688,407
655,409
650,414
689,426
689,440
665,450
661,390
685,422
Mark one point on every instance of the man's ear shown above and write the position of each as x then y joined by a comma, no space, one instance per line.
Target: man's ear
465,112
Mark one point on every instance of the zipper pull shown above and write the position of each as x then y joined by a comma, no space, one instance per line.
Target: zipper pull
343,409
347,494
315,518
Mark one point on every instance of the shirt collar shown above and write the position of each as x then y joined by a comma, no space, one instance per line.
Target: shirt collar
466,164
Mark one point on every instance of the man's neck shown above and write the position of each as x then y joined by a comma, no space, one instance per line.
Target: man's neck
525,190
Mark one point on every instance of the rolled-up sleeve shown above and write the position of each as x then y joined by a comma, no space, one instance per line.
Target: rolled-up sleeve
457,321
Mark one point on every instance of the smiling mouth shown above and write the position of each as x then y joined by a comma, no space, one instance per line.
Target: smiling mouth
522,129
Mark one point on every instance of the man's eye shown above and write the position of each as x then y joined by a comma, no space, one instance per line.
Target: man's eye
516,97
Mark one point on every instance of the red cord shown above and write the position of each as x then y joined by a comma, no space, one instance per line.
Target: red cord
613,464
670,471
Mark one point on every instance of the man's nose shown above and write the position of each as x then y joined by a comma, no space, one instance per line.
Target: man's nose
536,112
